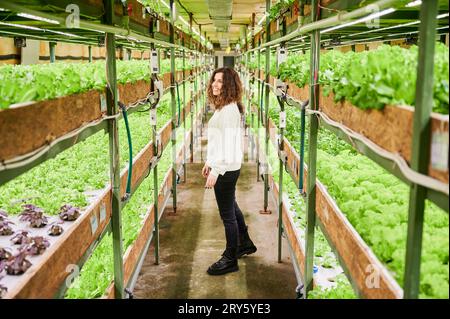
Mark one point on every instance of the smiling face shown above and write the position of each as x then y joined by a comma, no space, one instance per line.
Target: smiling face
217,84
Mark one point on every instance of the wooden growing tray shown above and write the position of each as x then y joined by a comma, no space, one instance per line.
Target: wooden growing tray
29,126
390,128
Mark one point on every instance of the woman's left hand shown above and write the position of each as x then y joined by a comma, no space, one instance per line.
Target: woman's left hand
211,181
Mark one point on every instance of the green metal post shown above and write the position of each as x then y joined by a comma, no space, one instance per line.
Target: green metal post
259,116
302,149
113,131
196,107
251,81
184,114
52,51
155,172
90,53
174,112
312,150
192,96
302,116
420,145
266,111
281,162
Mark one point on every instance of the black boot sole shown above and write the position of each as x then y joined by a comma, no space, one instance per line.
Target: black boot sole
248,251
222,271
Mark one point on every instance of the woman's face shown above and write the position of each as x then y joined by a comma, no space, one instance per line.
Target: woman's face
217,83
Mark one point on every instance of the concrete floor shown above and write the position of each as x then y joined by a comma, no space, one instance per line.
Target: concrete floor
194,238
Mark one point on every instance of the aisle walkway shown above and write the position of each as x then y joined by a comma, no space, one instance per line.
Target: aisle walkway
194,238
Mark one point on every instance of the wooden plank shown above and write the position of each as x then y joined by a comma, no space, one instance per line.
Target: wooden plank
33,125
166,133
301,94
131,92
396,122
166,80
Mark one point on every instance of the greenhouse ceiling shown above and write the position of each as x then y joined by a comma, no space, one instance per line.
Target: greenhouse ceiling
223,23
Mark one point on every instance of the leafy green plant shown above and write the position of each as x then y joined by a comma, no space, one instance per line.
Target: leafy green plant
375,203
370,79
280,7
24,83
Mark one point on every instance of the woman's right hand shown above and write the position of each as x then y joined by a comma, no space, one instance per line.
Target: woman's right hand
205,171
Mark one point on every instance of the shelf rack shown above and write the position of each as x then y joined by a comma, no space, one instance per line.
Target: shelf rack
313,22
109,23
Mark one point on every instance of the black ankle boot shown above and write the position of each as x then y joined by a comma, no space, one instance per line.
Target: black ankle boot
228,263
246,246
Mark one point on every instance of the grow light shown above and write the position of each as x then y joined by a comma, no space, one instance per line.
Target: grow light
165,4
183,20
33,17
21,26
369,17
63,33
396,26
387,28
262,19
414,3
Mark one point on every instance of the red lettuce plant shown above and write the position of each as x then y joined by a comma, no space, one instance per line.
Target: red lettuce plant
36,246
69,213
55,229
21,237
18,264
34,215
5,229
3,215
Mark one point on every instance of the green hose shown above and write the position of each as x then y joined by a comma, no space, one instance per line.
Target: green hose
130,148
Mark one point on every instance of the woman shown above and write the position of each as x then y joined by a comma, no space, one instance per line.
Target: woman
223,164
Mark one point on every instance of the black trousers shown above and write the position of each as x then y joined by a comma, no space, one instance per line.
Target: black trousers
231,215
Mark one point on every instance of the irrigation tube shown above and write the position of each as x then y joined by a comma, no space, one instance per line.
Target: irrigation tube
130,152
332,21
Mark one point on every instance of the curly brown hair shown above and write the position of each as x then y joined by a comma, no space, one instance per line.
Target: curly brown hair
231,89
